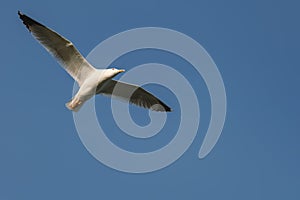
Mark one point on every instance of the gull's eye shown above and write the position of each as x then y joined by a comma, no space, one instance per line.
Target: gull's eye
113,68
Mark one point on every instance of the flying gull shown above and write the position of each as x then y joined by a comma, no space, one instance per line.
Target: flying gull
91,80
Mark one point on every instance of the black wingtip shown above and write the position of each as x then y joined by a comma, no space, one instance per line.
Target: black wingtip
161,107
168,109
165,107
24,19
27,21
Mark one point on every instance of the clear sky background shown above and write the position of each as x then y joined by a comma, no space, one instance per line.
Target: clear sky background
255,45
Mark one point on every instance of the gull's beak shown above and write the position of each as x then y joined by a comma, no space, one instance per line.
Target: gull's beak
121,70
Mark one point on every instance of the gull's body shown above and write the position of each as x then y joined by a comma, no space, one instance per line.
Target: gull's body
91,80
86,90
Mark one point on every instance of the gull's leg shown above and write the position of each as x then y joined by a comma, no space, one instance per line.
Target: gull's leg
74,104
84,93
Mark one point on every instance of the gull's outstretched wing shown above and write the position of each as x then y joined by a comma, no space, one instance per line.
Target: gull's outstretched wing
133,94
61,48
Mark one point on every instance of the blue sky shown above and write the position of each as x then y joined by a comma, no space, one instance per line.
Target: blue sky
253,43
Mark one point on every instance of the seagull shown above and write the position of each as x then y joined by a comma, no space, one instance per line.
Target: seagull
91,81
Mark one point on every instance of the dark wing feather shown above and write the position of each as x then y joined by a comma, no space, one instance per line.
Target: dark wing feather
133,94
